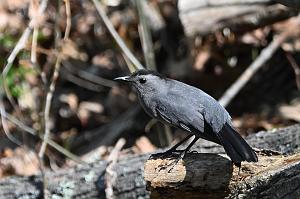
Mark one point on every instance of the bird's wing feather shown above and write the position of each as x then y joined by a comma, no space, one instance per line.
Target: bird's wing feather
181,118
163,116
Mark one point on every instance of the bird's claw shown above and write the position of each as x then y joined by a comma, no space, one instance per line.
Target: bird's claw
167,154
174,155
175,162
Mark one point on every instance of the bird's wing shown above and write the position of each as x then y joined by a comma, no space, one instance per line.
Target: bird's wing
182,117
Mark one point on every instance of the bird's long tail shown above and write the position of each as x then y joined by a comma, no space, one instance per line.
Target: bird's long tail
235,146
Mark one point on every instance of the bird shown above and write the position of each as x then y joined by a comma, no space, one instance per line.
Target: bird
189,109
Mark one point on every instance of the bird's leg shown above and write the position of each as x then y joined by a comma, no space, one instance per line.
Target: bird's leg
174,148
181,156
170,151
239,166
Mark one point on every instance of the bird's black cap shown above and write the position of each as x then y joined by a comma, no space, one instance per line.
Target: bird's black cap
137,73
146,72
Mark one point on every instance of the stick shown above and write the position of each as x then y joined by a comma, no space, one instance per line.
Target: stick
145,35
88,76
116,36
53,83
23,39
111,175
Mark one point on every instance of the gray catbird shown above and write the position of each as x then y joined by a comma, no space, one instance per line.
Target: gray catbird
191,110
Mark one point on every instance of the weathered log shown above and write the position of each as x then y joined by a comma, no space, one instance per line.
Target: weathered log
263,179
75,182
206,17
212,176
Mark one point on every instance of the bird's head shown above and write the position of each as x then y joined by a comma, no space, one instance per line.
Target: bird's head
144,81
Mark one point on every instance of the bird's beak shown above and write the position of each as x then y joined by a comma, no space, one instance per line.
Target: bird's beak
122,79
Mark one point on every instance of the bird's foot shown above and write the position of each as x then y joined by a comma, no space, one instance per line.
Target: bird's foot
174,157
172,154
175,161
239,165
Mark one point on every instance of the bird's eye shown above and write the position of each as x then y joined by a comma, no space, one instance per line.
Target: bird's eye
142,80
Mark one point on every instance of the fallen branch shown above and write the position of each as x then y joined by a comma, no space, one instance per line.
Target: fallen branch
201,18
264,56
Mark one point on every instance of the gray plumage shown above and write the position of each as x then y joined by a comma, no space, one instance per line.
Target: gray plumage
189,109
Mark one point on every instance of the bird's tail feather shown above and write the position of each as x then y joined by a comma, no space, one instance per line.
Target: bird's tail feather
235,146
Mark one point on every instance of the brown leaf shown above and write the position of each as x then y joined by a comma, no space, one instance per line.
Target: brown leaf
19,162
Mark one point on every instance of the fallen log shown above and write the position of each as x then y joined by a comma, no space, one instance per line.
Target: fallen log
274,175
200,18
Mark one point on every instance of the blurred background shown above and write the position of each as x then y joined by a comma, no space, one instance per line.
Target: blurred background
58,60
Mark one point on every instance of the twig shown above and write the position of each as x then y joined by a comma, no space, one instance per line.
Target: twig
81,82
49,141
19,46
129,64
4,122
88,76
34,15
68,26
34,45
111,175
23,39
150,124
145,35
295,67
116,36
48,106
53,84
264,56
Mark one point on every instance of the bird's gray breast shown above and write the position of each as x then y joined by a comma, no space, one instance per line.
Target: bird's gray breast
149,104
